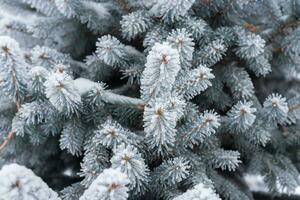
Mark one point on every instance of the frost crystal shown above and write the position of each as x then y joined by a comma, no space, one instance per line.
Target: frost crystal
110,50
9,46
250,46
62,93
110,185
199,192
13,70
64,6
19,183
170,10
130,162
196,81
173,171
276,108
182,41
111,134
159,123
162,66
134,24
241,116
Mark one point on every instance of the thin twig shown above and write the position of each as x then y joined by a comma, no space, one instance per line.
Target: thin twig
7,140
292,109
11,134
124,5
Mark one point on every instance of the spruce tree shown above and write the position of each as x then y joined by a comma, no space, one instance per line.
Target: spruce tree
149,99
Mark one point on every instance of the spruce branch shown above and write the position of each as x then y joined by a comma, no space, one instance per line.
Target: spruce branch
122,100
191,112
110,184
168,11
130,162
124,88
134,24
18,182
85,85
161,69
109,97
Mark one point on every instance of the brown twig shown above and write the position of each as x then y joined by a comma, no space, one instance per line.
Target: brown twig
296,107
7,140
11,134
124,5
250,27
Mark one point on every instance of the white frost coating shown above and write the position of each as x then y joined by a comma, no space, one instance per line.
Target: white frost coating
9,45
110,50
174,171
84,85
5,25
98,8
199,192
250,45
131,51
130,162
13,68
177,104
183,42
241,116
276,108
194,82
62,93
19,183
24,17
170,10
47,57
109,185
134,24
110,134
64,6
37,72
161,69
159,124
46,7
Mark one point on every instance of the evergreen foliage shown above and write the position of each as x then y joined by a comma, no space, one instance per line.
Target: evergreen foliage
148,99
17,182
